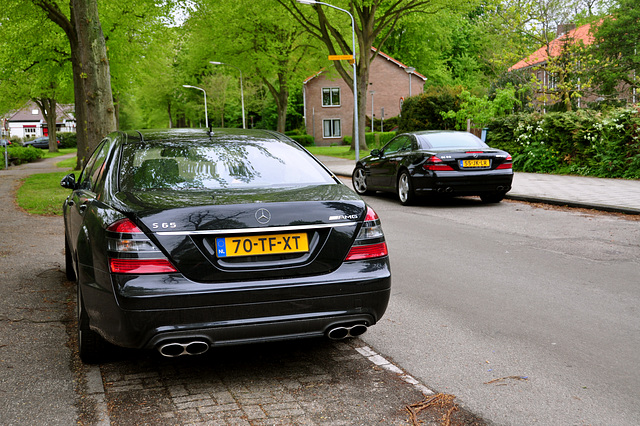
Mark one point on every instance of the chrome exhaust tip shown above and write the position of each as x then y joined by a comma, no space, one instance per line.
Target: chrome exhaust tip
342,332
176,349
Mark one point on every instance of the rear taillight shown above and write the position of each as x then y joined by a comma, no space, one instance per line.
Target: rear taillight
435,164
507,164
140,266
369,243
368,252
131,252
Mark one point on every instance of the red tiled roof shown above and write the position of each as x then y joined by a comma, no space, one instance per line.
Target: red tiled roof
540,56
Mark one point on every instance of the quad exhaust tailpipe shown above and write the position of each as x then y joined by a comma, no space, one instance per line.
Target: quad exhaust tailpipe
448,189
342,332
176,349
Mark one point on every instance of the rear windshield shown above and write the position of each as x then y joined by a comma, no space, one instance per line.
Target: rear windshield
450,140
237,163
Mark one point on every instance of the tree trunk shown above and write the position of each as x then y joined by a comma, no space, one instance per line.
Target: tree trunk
100,118
94,110
281,96
48,108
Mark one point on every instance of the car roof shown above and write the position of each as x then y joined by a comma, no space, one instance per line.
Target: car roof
431,132
210,134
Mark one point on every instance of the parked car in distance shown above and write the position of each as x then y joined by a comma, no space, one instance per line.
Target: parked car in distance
5,142
182,240
428,163
42,142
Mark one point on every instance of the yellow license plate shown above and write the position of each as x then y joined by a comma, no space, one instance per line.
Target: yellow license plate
262,244
475,163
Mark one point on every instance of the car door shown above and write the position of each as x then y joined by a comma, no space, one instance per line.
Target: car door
393,154
85,193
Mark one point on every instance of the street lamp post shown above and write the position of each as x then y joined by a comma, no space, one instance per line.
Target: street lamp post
244,124
355,84
410,71
206,116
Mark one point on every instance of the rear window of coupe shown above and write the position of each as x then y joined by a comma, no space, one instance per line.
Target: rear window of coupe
450,140
210,165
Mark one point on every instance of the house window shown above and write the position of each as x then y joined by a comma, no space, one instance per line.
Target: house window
330,96
29,132
331,128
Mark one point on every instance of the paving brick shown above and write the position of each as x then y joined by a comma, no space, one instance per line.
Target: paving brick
281,386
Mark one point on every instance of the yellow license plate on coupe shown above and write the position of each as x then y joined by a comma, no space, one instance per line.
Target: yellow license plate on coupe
262,244
474,163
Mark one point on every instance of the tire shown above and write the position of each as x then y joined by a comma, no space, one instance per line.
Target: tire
359,181
405,189
492,197
92,348
68,262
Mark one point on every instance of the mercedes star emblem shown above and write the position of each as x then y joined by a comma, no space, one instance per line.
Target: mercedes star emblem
263,216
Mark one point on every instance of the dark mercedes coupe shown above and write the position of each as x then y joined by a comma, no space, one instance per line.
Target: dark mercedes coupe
182,240
435,163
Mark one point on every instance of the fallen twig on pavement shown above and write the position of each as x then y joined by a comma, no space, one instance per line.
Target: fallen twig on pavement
505,378
440,400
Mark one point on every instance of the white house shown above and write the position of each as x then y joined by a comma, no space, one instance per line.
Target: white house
29,122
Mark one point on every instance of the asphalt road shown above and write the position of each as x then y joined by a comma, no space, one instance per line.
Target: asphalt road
529,315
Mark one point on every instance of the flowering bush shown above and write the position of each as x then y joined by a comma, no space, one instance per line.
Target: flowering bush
582,142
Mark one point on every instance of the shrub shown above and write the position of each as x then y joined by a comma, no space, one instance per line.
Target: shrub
68,139
603,144
423,112
21,154
374,140
304,140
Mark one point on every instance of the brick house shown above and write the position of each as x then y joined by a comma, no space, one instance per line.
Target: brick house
328,100
28,122
537,62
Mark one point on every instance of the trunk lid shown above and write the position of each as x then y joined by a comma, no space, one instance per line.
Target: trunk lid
229,235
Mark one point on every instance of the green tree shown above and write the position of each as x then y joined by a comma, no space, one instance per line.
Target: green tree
375,21
80,21
616,47
35,65
261,39
479,110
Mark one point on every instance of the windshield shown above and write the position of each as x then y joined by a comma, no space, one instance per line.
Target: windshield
228,164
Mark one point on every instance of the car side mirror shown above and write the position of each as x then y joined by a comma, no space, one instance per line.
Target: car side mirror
375,152
69,181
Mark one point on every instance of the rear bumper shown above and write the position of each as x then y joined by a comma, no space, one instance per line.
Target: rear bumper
458,183
147,311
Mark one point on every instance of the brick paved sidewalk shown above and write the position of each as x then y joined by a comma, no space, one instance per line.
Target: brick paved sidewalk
308,382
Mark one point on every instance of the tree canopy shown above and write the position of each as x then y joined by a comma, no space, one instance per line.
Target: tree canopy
124,62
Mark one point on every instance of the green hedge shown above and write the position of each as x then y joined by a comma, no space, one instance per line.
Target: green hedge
373,140
423,112
304,140
22,154
68,139
585,142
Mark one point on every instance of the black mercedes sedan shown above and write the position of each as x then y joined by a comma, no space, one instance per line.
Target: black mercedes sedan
435,163
183,240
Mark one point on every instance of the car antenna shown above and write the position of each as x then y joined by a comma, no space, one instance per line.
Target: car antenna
141,137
